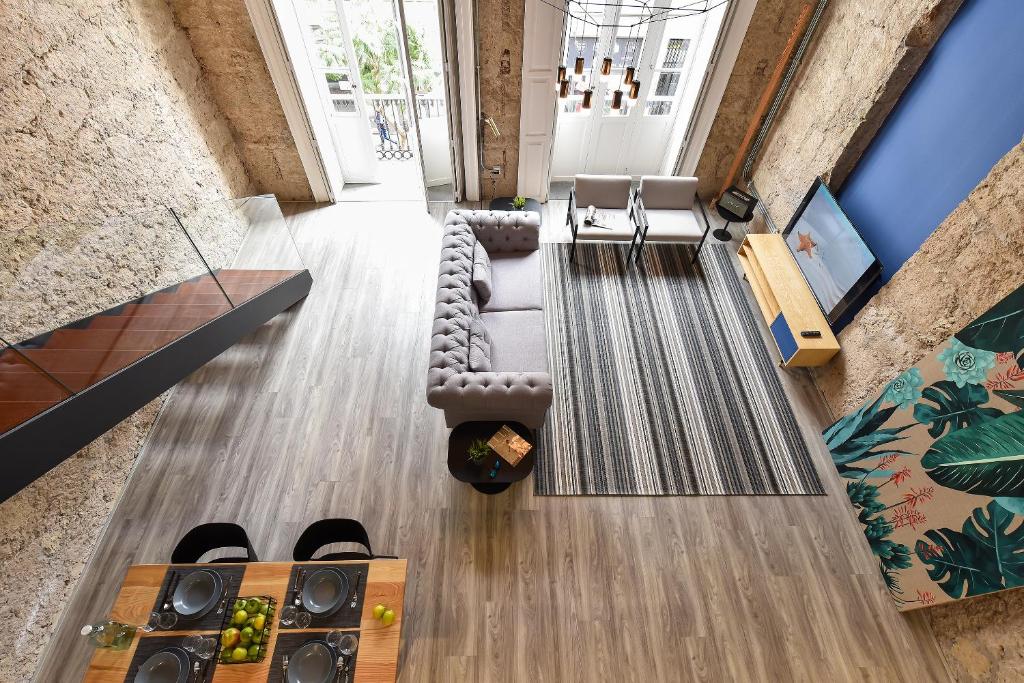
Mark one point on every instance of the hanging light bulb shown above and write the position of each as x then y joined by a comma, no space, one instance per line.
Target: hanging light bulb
628,78
561,75
617,99
634,90
606,66
588,95
563,89
579,66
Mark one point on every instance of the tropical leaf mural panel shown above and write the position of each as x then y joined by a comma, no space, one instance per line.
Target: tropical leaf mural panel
934,465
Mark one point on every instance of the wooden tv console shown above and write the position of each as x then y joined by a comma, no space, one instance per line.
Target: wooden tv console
786,301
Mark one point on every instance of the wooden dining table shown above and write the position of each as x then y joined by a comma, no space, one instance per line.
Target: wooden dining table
377,657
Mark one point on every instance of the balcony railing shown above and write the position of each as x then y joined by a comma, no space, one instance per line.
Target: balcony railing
390,123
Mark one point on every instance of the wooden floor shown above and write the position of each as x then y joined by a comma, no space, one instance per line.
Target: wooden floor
321,413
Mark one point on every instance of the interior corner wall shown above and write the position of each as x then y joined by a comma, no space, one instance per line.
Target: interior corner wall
499,35
863,56
224,43
103,111
769,29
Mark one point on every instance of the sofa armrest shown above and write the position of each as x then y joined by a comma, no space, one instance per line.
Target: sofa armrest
497,390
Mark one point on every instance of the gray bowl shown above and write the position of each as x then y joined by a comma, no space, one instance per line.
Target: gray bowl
324,590
314,662
166,666
197,593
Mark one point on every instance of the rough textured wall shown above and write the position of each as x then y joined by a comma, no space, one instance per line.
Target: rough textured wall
971,261
766,36
500,37
224,43
864,54
103,111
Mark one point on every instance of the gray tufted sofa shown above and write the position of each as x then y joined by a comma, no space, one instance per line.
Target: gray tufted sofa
518,385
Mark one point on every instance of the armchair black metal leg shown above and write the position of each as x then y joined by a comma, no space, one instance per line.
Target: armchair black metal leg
572,250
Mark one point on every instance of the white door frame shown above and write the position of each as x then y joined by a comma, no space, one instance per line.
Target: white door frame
465,39
272,29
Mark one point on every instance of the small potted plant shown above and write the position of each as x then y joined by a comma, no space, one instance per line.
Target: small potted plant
519,202
478,452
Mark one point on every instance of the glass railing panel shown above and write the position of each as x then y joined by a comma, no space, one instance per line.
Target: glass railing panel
263,252
96,297
25,390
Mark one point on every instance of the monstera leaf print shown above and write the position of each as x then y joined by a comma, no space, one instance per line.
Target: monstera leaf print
984,556
1001,328
986,459
859,435
1014,396
955,407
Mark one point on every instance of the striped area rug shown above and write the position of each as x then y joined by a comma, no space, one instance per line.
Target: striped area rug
663,384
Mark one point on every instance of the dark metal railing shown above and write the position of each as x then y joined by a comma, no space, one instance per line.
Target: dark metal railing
390,123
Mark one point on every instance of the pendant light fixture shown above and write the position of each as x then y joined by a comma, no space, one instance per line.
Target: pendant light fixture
561,75
617,99
628,78
563,89
634,90
588,95
606,66
579,66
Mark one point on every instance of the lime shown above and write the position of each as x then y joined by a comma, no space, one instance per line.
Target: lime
388,617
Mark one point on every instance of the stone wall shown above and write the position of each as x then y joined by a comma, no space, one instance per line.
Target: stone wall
864,55
232,64
103,112
769,29
500,37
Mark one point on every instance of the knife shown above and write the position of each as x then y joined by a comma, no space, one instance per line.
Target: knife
355,591
224,598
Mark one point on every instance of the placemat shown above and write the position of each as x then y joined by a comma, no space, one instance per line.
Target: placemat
345,617
150,645
287,643
230,574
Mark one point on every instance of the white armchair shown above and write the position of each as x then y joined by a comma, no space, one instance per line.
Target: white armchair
610,194
662,210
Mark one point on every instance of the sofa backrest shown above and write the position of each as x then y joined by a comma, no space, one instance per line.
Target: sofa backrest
500,231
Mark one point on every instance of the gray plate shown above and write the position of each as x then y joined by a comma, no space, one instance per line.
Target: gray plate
197,593
324,590
166,666
314,662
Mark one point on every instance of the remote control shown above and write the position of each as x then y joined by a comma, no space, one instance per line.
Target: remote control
810,333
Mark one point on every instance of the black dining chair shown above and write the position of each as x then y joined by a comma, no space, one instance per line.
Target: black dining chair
206,537
328,531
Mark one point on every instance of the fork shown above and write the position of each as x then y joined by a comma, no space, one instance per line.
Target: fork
284,666
224,597
300,578
337,676
171,585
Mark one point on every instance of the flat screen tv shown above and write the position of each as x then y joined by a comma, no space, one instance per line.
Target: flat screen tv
832,256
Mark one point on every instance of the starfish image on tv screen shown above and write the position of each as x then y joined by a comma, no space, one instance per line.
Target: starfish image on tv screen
828,249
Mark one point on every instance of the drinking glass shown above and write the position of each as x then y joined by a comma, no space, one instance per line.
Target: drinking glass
288,613
191,643
153,623
168,620
334,639
348,645
303,619
206,648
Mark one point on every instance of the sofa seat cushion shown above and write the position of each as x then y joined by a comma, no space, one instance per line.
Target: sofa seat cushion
518,341
515,282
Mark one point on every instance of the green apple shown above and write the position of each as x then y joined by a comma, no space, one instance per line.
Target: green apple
239,654
240,617
378,611
230,638
388,617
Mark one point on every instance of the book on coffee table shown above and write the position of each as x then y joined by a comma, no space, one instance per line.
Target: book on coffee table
510,446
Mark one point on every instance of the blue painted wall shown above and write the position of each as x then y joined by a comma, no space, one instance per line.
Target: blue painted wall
962,112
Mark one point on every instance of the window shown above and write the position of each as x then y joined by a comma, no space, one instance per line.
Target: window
667,77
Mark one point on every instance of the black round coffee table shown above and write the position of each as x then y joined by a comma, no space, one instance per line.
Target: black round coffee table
505,204
477,476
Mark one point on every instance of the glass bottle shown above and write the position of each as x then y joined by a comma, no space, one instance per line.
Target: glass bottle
110,634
